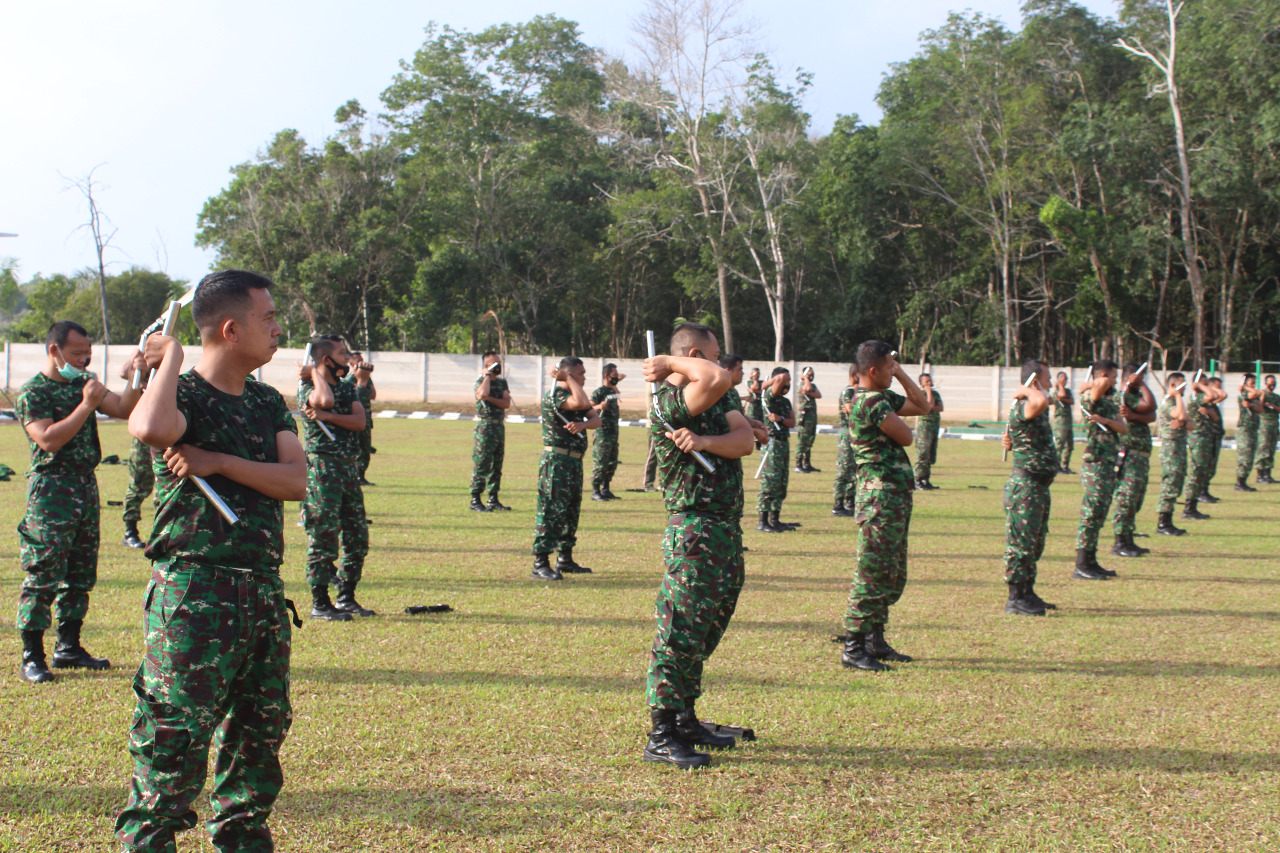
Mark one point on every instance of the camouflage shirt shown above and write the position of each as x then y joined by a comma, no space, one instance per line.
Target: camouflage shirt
486,411
1100,442
1164,421
553,432
1248,417
187,525
1033,449
1272,399
808,405
609,414
345,442
1061,408
882,462
365,396
846,396
1200,423
735,399
933,418
686,485
41,398
1139,436
1216,424
780,406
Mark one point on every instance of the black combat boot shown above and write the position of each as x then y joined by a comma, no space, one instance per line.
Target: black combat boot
665,745
34,669
1206,498
1128,540
322,607
597,495
839,509
542,569
1084,567
780,526
476,506
1019,602
1164,525
808,467
565,564
1097,567
494,505
1190,513
694,733
69,654
346,601
880,649
856,656
609,495
1122,548
131,537
1265,478
766,525
1242,485
1029,593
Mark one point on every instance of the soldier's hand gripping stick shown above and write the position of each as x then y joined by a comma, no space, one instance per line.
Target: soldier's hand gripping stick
1004,453
702,460
490,369
324,427
1169,394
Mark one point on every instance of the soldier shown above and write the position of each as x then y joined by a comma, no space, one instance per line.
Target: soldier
733,364
1250,402
141,479
560,470
885,483
1098,474
362,377
1138,408
604,449
1026,494
702,544
1219,429
333,511
1267,430
845,488
755,398
215,617
1064,437
927,434
775,471
1172,424
1199,447
808,429
492,401
58,536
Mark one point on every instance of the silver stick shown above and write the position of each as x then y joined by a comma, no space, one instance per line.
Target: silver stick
702,460
763,458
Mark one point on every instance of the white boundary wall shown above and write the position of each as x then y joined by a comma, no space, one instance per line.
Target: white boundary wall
970,393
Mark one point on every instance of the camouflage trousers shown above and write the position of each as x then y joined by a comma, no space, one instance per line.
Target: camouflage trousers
1199,460
216,661
1098,477
699,593
58,540
805,436
1027,502
1131,491
926,449
1173,472
755,409
1064,439
333,514
884,520
604,456
846,484
366,450
555,526
774,476
1266,455
142,480
1246,450
486,458
1215,451
650,465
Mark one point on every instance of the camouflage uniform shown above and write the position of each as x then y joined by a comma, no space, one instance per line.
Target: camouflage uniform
364,439
1173,457
490,442
1199,449
755,407
777,467
217,638
58,536
885,483
1215,446
806,429
1268,422
604,450
141,482
1246,438
1026,494
333,510
1063,435
559,476
701,549
845,487
1098,474
927,439
1135,471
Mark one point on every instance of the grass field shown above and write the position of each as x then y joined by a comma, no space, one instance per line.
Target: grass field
1141,716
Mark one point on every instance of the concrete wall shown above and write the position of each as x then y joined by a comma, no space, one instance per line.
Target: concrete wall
409,378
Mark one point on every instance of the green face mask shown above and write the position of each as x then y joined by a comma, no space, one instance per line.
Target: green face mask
70,371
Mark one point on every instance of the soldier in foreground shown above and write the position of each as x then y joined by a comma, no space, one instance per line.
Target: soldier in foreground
927,435
1026,494
1250,402
1138,408
807,431
1063,435
560,470
215,616
1268,430
1172,425
142,481
1098,474
885,482
58,536
844,490
492,401
702,544
775,472
604,449
362,377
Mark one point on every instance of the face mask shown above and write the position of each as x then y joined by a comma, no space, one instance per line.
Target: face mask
338,371
613,380
70,371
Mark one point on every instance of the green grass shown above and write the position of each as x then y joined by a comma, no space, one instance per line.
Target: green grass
1140,716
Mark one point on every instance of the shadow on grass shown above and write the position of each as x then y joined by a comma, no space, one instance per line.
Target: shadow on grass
1156,612
1115,669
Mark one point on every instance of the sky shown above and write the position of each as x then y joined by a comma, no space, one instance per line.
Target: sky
159,99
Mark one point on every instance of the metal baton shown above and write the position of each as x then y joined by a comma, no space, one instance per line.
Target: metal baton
764,457
324,427
653,386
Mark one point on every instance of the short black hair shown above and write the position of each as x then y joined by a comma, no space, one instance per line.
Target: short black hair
225,294
687,336
324,345
1129,367
1271,376
604,371
569,361
1030,367
1175,376
872,354
1102,365
488,353
921,377
730,360
60,331
777,371
1217,379
1249,376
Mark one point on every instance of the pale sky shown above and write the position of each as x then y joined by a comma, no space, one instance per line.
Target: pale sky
168,96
